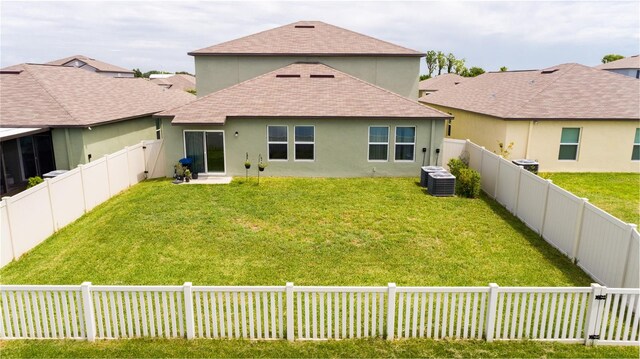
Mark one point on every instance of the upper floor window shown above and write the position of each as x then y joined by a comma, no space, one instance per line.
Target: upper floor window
569,141
405,143
278,142
378,143
304,143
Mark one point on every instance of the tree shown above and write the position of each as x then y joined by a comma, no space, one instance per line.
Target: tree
137,73
184,73
442,61
503,69
473,72
432,62
451,61
459,66
611,57
424,77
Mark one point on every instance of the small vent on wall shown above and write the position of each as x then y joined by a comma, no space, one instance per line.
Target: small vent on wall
305,27
286,76
321,76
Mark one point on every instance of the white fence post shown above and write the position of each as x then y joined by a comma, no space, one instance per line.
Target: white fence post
544,207
87,306
47,183
516,196
126,149
578,230
594,314
106,162
495,188
491,311
391,310
289,295
7,201
632,227
84,194
188,309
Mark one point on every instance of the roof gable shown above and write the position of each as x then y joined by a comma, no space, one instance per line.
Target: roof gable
307,38
59,96
567,91
301,90
100,66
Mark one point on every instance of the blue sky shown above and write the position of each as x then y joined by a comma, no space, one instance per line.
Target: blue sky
157,35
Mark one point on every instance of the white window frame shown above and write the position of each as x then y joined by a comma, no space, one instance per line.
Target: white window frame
571,144
277,143
635,144
395,136
204,142
369,143
296,142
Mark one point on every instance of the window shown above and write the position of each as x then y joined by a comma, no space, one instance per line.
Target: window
277,140
405,143
158,129
635,154
304,143
378,143
569,141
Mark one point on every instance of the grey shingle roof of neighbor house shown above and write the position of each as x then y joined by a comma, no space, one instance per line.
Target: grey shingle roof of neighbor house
307,38
440,82
177,82
100,66
567,91
301,90
58,96
631,62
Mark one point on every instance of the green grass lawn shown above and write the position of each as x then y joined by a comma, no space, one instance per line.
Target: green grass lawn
616,193
309,231
361,348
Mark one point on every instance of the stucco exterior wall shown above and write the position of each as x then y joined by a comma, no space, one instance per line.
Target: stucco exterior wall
73,145
397,74
340,147
605,146
483,130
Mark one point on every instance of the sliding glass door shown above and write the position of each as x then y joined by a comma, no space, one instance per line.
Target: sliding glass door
206,150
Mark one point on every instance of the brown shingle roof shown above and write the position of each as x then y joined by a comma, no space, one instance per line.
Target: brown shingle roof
307,38
177,82
567,91
440,82
631,62
60,96
97,64
297,91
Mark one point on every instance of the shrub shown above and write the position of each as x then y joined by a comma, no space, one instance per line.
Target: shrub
455,165
34,181
468,183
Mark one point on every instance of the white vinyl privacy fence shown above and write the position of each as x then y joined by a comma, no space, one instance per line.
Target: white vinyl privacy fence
65,198
595,315
601,244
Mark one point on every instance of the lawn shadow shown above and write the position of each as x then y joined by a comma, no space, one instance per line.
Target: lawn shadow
552,255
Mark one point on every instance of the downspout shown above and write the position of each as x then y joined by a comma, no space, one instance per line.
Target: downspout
526,152
68,145
432,147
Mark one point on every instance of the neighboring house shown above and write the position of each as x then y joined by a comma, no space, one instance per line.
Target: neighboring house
182,82
381,63
93,65
305,119
56,117
439,82
569,117
629,66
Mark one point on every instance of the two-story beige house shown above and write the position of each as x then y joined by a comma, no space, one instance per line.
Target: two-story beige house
310,99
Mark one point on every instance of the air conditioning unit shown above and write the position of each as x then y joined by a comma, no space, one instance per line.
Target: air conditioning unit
441,184
424,173
529,165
